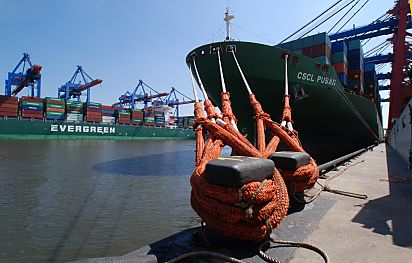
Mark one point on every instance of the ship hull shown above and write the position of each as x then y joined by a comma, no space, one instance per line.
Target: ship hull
330,121
27,129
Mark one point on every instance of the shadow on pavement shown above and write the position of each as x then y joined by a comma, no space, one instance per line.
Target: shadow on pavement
391,214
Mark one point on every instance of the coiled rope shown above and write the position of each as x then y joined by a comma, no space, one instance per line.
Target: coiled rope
251,212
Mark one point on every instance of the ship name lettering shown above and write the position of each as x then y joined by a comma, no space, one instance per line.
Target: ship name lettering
85,129
305,76
327,81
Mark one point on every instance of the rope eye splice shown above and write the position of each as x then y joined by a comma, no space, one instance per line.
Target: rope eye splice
243,197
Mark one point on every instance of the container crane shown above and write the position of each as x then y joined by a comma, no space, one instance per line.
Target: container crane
30,78
139,94
71,89
173,101
396,23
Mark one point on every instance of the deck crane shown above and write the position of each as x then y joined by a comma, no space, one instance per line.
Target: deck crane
29,77
139,94
396,23
71,89
173,101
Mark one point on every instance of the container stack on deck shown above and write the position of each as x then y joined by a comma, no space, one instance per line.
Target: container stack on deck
172,121
180,122
137,116
370,82
355,70
340,61
159,118
122,116
149,118
54,109
92,112
74,111
9,106
316,46
31,107
108,115
346,58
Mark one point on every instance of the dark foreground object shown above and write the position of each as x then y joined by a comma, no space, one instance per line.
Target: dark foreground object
296,227
347,229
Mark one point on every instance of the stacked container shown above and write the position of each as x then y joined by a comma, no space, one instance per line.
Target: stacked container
9,106
340,61
92,111
191,121
318,47
370,82
355,69
149,118
137,116
108,115
159,118
74,111
31,107
54,108
180,122
172,121
122,116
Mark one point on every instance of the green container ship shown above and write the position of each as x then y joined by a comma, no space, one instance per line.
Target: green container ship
31,129
49,118
330,120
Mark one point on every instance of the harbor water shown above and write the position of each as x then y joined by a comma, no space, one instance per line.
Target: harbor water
67,200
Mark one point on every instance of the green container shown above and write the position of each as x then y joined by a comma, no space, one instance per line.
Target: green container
55,113
93,103
56,106
299,51
339,57
355,44
51,98
32,103
134,119
323,60
297,44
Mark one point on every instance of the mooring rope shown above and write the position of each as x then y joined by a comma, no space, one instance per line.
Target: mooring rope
241,74
202,88
325,187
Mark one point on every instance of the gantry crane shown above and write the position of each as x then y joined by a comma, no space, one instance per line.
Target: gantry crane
74,90
173,101
396,23
139,94
29,77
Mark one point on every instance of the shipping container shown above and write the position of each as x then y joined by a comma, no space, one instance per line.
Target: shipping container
339,57
343,79
339,46
354,44
341,67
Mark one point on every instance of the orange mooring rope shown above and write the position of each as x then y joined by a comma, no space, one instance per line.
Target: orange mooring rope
251,212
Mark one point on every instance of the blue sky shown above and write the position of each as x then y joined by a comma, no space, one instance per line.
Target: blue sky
124,41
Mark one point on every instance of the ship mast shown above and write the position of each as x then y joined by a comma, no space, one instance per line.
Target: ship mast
227,20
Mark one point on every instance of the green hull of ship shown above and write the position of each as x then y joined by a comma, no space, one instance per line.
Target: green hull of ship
25,129
330,121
